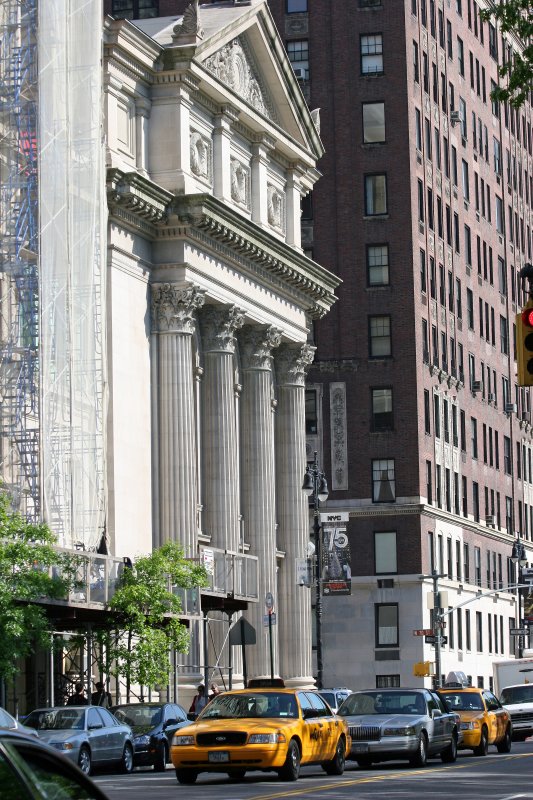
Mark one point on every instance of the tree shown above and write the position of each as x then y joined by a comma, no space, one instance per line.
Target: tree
146,615
31,569
516,18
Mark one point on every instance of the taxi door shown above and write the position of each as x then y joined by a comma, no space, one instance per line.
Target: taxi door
328,728
497,717
311,728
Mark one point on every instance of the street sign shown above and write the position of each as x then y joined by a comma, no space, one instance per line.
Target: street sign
519,631
330,518
269,600
433,640
269,619
422,632
527,575
242,632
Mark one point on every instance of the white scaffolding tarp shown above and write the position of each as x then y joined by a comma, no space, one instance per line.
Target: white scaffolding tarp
72,273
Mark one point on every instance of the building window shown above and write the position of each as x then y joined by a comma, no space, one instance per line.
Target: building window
385,554
377,262
371,54
383,480
311,412
375,195
373,123
298,52
381,409
134,9
479,632
296,6
387,681
386,615
379,337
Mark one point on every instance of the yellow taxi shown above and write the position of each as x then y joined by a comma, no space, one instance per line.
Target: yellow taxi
484,720
268,728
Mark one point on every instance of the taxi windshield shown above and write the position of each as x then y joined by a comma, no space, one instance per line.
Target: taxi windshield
463,701
251,705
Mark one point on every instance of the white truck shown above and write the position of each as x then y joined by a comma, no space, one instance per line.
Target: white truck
513,685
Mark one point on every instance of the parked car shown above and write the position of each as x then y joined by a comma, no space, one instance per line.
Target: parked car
483,719
30,768
89,736
334,697
12,724
153,726
390,724
268,729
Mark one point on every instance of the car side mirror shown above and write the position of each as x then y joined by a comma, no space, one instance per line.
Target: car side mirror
170,722
309,713
436,712
95,726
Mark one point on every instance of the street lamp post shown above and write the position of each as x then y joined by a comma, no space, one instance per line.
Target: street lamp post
316,486
518,557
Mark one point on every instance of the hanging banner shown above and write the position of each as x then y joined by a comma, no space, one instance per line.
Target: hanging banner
336,560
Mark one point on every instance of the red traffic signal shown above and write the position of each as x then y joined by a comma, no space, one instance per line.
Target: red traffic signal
524,345
527,317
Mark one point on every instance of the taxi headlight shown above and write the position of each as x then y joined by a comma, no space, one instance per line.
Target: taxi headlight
178,741
470,726
408,730
266,738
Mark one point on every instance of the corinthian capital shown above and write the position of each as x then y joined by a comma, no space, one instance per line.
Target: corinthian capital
174,307
256,345
292,363
218,324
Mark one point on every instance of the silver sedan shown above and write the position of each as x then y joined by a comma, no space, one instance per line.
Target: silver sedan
88,735
399,724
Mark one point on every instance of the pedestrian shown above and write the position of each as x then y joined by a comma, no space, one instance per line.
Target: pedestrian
214,691
78,698
199,700
100,697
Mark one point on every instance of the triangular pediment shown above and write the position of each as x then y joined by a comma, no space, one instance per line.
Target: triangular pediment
235,66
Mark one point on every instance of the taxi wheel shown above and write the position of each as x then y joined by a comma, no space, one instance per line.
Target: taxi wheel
236,774
421,756
186,776
505,745
483,747
291,768
336,765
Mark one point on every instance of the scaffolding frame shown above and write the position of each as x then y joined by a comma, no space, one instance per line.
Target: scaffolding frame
19,285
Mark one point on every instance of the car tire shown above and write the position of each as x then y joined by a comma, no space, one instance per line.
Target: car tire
126,762
364,762
84,760
236,774
483,747
161,757
506,743
291,768
337,763
421,756
449,755
186,776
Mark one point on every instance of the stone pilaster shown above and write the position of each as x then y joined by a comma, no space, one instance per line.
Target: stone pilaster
294,617
258,479
173,321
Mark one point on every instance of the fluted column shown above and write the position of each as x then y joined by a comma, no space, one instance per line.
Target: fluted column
174,318
220,440
258,482
294,618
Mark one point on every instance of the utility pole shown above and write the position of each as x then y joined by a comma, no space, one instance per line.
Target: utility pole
438,621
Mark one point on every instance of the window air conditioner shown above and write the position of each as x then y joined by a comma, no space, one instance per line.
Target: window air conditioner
491,398
300,73
490,520
510,408
455,117
526,416
476,386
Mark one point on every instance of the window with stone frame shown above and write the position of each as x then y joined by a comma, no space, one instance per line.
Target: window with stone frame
385,553
375,195
134,9
298,52
387,681
382,418
386,616
377,264
296,6
373,123
379,337
371,54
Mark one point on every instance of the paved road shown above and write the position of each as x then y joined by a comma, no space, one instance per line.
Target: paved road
496,777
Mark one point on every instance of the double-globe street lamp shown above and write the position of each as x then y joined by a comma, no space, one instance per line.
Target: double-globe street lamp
315,485
519,557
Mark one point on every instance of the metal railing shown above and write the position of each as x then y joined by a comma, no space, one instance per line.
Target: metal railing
230,574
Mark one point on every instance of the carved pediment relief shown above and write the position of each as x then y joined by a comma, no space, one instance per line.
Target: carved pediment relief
234,65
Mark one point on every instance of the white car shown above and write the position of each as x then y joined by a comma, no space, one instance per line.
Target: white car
12,724
335,697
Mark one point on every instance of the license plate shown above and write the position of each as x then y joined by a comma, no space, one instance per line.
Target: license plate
218,756
359,748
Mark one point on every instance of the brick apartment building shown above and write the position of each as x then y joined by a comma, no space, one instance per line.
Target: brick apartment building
424,211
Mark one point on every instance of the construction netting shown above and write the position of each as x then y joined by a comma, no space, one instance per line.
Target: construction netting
72,274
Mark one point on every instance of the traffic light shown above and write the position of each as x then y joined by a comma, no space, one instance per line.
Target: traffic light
422,669
524,345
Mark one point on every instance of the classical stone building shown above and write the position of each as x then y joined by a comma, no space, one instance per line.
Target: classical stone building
210,150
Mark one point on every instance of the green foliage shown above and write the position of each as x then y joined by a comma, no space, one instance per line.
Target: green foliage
147,615
515,17
30,570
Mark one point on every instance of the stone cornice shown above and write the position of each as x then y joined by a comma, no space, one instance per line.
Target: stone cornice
139,196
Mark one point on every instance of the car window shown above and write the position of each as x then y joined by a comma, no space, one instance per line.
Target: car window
49,777
180,713
433,697
6,720
108,720
491,702
93,718
318,704
305,702
12,788
329,697
517,694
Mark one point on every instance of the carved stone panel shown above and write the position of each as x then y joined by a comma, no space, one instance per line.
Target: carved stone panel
339,449
276,207
240,183
201,156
